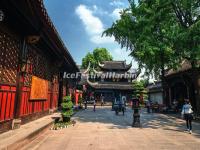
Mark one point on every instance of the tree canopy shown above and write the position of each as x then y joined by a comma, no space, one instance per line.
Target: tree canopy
159,33
98,55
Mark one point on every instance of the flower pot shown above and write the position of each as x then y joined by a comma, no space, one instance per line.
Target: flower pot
66,119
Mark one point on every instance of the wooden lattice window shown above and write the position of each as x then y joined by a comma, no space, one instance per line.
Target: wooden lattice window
41,66
9,52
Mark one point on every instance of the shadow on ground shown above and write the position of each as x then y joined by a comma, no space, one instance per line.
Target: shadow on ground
153,120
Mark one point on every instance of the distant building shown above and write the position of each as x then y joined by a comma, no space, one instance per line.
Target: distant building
181,84
155,92
113,80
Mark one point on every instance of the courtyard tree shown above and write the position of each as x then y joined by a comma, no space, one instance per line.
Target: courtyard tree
98,55
160,34
186,37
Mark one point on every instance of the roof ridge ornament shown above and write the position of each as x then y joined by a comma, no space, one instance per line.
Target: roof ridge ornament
88,68
97,72
101,65
91,83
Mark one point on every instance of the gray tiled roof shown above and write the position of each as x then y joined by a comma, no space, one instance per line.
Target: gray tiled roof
119,65
112,85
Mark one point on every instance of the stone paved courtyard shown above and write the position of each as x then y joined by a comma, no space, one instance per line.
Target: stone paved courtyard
104,130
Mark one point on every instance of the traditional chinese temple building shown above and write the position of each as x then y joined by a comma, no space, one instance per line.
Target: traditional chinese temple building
181,84
32,61
155,92
114,80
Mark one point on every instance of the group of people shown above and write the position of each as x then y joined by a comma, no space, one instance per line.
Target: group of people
187,112
152,106
94,102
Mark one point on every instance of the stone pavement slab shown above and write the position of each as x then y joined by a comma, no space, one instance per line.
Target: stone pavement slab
103,130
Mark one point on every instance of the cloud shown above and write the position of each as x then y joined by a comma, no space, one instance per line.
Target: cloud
93,25
99,11
95,7
117,3
102,40
116,13
123,54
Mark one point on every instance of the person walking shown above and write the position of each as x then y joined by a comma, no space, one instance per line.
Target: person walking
187,114
85,103
148,105
94,109
102,100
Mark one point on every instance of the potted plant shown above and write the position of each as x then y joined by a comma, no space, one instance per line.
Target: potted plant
67,109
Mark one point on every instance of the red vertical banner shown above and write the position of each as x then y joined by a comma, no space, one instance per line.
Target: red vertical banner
76,97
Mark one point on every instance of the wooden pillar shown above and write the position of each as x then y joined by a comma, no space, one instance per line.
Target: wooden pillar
51,95
188,92
170,96
18,97
197,94
60,96
19,85
20,77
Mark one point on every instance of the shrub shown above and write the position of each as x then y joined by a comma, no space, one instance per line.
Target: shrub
67,110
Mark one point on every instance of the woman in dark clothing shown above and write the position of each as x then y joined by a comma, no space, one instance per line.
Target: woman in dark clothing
94,104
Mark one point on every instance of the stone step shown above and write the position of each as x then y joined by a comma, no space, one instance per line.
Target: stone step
16,139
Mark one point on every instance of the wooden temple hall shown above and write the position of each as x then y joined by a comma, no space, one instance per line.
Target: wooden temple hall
113,81
182,84
32,61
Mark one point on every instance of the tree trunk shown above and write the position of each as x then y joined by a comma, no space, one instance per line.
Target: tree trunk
163,75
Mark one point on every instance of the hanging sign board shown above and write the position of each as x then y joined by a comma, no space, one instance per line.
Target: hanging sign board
39,89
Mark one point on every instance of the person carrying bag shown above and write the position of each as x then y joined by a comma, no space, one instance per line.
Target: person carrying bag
187,113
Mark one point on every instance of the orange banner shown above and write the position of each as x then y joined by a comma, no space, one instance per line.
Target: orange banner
39,89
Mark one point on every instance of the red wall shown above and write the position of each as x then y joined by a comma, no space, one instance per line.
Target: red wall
27,107
7,101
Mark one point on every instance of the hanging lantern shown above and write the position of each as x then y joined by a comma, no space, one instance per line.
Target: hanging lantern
26,67
1,15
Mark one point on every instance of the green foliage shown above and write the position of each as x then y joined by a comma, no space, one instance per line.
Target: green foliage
67,105
60,125
144,82
139,89
68,113
159,33
98,55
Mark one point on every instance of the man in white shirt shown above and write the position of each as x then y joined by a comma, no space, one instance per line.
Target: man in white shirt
187,113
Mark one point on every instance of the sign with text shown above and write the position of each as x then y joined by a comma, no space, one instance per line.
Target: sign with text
39,89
